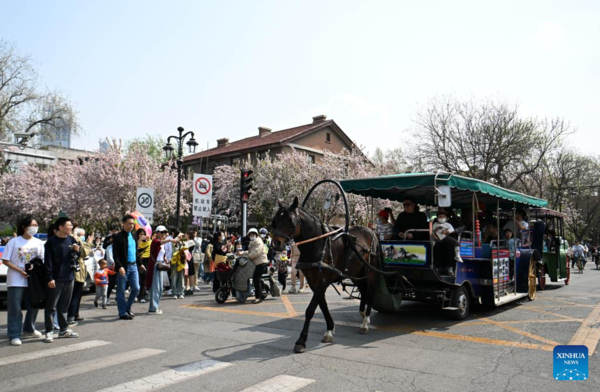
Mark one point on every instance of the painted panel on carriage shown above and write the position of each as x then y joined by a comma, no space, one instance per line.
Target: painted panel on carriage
501,266
466,249
405,254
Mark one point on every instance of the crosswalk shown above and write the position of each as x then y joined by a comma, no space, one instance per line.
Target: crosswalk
160,380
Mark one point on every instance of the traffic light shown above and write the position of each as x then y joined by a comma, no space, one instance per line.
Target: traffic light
246,184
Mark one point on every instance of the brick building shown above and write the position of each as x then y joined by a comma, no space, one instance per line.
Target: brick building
313,139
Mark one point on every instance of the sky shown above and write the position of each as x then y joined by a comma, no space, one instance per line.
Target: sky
224,68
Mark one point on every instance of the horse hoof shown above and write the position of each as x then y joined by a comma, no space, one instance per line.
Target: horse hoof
327,339
299,349
364,331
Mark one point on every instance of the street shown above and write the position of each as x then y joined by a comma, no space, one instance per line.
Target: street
200,345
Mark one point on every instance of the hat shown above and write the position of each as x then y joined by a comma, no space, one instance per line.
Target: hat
383,214
253,230
161,228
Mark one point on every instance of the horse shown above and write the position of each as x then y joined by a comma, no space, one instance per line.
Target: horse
327,256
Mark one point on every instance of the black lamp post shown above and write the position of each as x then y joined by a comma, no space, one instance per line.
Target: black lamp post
168,148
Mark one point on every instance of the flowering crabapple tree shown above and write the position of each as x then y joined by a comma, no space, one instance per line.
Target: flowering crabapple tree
95,192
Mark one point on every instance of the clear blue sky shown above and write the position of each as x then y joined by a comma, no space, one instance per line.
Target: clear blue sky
223,68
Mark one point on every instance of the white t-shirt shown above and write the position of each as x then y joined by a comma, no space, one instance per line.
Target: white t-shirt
19,252
514,228
161,254
168,249
438,227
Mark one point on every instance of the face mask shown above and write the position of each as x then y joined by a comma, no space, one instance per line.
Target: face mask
32,230
442,220
82,238
252,238
239,248
263,235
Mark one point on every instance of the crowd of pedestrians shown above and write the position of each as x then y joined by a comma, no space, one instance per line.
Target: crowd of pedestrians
51,276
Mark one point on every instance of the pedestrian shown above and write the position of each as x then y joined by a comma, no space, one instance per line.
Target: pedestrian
17,255
295,256
219,255
61,258
177,272
172,234
101,281
190,277
281,266
80,275
154,277
143,249
209,264
198,256
110,264
256,253
127,263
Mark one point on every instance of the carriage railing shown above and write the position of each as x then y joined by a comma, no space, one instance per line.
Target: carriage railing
416,231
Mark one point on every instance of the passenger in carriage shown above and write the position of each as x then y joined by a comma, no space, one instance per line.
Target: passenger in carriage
385,230
521,223
452,219
449,251
491,232
512,251
410,219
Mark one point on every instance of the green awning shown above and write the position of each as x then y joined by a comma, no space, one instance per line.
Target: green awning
421,187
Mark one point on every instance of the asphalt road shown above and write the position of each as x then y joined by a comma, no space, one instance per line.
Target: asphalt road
199,345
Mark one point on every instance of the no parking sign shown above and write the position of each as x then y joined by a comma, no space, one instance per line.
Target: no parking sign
203,187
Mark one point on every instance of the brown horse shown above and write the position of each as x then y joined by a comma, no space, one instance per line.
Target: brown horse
326,260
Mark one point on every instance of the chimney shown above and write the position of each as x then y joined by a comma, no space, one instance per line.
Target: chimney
222,142
319,119
263,131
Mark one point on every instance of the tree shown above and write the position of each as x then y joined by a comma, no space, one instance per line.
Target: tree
488,141
153,144
24,106
96,192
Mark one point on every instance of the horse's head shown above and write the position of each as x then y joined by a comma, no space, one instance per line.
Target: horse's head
285,224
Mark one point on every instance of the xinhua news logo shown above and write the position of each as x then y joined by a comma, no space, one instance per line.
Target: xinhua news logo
570,363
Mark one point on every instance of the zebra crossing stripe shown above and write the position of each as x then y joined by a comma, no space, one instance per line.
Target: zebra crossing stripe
280,383
170,377
77,368
51,352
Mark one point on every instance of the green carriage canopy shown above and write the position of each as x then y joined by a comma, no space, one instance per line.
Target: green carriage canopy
421,186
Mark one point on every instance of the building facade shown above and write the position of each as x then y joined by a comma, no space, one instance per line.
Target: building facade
313,139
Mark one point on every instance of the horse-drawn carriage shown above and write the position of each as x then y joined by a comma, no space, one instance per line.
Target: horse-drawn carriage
387,272
490,273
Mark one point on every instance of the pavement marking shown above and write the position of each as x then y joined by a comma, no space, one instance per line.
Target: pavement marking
170,377
568,303
289,307
282,383
51,352
533,309
78,368
521,332
588,333
549,321
238,311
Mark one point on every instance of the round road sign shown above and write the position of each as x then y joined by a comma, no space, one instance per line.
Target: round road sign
202,186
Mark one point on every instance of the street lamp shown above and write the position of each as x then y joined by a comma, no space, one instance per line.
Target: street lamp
168,148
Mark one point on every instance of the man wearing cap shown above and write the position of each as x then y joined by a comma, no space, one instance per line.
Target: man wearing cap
256,253
385,230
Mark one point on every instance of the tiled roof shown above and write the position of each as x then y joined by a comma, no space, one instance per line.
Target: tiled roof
255,142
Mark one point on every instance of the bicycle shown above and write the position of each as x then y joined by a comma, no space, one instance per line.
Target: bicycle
579,263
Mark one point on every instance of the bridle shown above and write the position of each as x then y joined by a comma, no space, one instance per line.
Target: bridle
297,223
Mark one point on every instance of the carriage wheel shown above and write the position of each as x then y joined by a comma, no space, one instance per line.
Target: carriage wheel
460,300
542,278
568,280
531,292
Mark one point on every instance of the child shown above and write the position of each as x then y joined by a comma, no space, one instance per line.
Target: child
144,252
101,279
281,266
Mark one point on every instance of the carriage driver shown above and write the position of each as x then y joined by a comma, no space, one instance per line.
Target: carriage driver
409,219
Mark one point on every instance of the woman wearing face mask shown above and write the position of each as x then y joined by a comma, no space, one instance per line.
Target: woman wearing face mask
18,253
80,276
449,247
256,253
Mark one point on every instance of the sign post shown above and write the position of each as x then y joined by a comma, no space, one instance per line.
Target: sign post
202,192
144,203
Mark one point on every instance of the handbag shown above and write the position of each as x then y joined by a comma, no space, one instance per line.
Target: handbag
160,266
220,259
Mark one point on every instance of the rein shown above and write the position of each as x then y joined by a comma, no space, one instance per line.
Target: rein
319,237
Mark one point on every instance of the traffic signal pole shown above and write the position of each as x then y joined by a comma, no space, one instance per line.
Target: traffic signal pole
245,192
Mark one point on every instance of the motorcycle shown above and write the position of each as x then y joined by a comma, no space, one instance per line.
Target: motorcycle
226,275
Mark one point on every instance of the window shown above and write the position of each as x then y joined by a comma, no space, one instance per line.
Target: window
311,158
327,137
